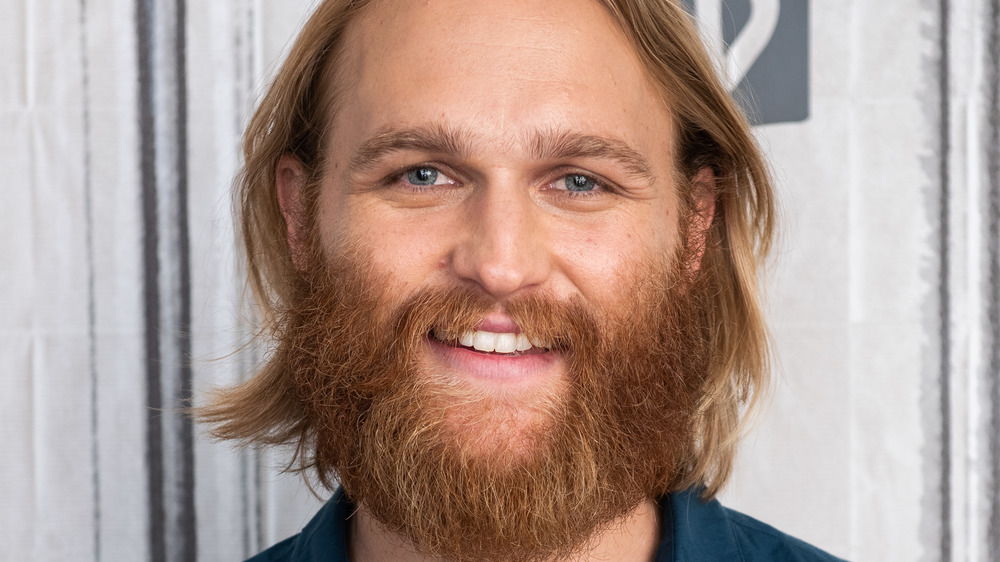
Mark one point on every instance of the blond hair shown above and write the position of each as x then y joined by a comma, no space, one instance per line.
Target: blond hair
711,131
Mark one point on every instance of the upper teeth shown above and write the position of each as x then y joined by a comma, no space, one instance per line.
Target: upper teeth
490,341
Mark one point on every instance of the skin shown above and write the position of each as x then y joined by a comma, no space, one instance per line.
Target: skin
529,93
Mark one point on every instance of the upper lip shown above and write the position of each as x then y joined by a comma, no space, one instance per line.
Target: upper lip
498,323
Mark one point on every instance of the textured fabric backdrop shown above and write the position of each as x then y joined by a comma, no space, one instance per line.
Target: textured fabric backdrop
119,297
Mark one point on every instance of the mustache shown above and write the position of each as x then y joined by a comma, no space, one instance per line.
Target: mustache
447,313
563,324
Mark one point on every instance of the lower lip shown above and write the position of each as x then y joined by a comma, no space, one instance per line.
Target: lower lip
493,366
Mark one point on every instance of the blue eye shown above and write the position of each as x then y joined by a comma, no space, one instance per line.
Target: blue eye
422,176
578,182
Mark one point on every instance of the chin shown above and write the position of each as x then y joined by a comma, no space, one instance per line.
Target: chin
504,426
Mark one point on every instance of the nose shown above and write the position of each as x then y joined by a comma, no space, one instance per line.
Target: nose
503,247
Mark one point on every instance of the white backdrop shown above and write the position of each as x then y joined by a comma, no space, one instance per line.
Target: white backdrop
119,128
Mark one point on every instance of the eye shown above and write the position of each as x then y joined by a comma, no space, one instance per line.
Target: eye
577,185
578,189
424,176
580,183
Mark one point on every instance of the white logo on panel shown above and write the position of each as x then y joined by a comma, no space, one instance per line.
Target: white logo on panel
748,44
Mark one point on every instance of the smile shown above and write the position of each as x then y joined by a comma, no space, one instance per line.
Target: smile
492,342
501,357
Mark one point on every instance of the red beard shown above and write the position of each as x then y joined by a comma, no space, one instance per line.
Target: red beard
525,476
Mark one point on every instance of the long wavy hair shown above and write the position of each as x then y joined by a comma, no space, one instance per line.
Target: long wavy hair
710,130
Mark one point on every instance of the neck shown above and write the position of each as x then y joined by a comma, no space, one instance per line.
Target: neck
634,538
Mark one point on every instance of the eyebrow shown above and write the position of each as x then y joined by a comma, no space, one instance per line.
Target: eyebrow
438,139
543,145
565,145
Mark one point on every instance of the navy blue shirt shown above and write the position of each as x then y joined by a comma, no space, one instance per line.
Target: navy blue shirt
692,531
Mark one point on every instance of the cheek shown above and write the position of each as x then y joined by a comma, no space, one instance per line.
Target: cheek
410,253
603,260
408,249
594,259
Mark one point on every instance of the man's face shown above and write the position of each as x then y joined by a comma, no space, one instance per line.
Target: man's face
514,147
499,176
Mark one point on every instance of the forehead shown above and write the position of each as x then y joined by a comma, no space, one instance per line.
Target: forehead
504,68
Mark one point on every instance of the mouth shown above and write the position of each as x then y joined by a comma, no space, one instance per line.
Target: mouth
496,352
491,343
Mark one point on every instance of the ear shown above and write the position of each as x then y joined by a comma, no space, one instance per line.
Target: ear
700,220
290,180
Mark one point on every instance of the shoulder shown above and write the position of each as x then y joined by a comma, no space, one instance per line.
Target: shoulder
281,552
323,538
764,542
709,531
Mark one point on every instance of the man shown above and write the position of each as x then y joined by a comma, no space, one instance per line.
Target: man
507,252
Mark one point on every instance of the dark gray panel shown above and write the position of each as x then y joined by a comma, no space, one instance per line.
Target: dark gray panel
735,15
144,11
778,82
992,375
160,31
776,87
944,277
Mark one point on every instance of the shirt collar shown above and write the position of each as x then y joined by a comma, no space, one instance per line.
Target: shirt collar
690,530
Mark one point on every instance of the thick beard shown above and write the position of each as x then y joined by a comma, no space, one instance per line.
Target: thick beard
522,477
